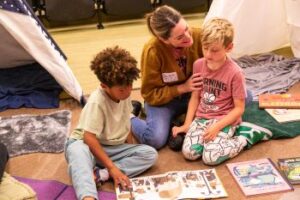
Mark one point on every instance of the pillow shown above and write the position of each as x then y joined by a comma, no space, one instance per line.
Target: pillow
12,189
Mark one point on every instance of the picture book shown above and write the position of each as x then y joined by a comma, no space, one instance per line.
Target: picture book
195,184
290,167
279,100
258,177
284,115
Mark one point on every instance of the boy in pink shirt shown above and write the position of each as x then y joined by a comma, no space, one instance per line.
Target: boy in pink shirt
214,113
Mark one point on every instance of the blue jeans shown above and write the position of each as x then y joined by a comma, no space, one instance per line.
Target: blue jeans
154,131
131,159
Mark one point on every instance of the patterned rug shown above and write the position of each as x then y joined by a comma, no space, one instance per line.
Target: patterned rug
24,134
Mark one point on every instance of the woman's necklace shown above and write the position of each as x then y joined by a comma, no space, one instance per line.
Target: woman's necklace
180,57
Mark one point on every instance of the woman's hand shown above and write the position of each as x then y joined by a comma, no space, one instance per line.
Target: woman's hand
119,178
192,84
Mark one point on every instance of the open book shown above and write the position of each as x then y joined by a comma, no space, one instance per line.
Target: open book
197,184
258,177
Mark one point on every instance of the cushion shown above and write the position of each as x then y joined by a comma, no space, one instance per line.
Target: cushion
12,189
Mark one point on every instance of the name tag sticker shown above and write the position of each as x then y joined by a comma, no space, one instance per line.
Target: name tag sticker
169,77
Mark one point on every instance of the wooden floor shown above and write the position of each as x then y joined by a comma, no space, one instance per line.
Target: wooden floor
80,45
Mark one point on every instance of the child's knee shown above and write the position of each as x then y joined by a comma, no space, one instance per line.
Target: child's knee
152,154
190,154
187,154
157,142
213,158
78,151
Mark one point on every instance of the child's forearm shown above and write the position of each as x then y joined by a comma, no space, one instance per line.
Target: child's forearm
192,107
232,116
97,150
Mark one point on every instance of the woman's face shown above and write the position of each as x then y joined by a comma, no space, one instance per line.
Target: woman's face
180,35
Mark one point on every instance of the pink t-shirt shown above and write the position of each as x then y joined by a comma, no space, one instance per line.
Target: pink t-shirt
220,87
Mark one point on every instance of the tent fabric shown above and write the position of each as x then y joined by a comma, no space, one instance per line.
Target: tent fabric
292,11
10,47
27,33
260,26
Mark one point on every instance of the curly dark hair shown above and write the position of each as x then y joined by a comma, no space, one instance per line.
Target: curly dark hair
115,66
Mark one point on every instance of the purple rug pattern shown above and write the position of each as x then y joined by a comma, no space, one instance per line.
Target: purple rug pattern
55,190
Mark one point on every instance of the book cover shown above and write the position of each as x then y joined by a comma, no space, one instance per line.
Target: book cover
195,184
290,167
284,115
258,177
279,100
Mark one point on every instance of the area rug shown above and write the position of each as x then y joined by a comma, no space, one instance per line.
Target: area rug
23,134
50,189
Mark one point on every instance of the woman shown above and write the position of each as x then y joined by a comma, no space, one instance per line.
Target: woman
166,69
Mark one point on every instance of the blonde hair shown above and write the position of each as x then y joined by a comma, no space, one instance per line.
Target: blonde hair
162,20
217,30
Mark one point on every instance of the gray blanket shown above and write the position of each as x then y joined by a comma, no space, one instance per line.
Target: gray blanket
269,73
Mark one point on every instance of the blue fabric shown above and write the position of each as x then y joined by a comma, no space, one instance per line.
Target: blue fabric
155,130
28,86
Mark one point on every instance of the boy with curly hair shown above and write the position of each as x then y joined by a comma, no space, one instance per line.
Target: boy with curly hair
96,149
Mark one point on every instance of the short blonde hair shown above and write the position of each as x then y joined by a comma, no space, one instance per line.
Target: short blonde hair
217,30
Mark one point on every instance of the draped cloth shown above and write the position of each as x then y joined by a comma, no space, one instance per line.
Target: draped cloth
260,26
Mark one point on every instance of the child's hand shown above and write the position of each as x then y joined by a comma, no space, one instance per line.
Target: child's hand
210,133
178,129
120,178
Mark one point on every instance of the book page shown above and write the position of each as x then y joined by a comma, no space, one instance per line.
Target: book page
284,115
198,184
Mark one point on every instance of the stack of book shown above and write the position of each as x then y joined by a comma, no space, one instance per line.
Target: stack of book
282,107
